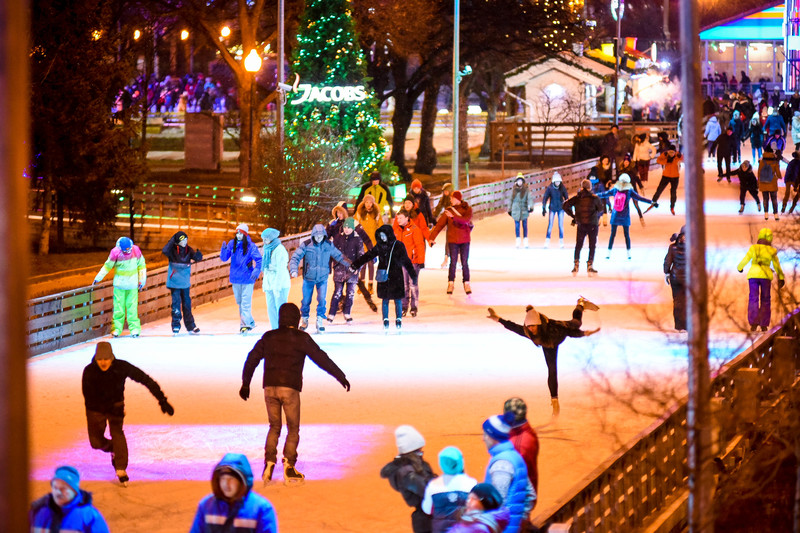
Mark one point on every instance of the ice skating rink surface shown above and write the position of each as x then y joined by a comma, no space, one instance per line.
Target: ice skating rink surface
449,370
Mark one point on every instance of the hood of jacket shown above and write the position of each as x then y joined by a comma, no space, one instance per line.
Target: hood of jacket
712,119
385,230
318,229
177,237
765,235
269,234
288,316
238,465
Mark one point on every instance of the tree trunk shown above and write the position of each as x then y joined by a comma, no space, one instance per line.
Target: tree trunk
47,212
491,115
60,194
797,485
247,133
463,132
401,118
426,153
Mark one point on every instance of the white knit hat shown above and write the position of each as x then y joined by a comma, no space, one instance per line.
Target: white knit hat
408,439
532,317
243,227
556,177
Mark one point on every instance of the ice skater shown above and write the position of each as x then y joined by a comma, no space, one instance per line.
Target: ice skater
675,277
555,195
520,206
103,386
759,278
458,220
180,256
623,193
276,282
585,209
130,275
549,334
245,269
748,183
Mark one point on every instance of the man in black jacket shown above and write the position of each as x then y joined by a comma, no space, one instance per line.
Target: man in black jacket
284,352
585,209
104,396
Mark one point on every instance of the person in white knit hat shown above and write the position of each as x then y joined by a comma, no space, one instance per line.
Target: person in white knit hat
556,195
245,268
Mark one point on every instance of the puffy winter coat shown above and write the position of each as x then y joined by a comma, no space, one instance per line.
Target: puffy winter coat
760,256
369,220
622,218
526,442
518,497
555,194
675,262
104,392
410,482
351,246
444,201
411,237
419,221
644,151
444,498
774,122
423,201
521,202
792,174
671,163
394,287
756,135
585,207
335,226
483,521
130,270
712,130
78,515
316,257
276,270
769,172
251,512
245,260
179,270
382,195
458,226
747,179
796,128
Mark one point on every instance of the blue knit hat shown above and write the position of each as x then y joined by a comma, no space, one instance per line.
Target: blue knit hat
499,426
124,243
70,476
451,460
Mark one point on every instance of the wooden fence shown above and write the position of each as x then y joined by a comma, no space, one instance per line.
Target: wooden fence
632,486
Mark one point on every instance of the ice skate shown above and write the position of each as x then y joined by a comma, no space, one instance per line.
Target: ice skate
467,288
114,334
450,287
405,311
561,242
413,311
608,254
641,220
291,476
348,318
398,323
651,206
244,329
369,288
386,326
555,406
777,217
547,242
575,268
766,215
629,255
320,324
741,209
525,242
195,330
175,332
330,319
518,242
123,477
266,475
372,305
444,263
672,210
303,323
134,335
758,207
590,270
589,306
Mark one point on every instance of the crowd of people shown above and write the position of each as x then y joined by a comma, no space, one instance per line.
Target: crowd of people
190,93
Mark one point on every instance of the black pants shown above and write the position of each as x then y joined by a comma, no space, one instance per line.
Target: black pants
586,230
182,302
673,188
753,192
551,353
767,196
96,424
727,159
678,303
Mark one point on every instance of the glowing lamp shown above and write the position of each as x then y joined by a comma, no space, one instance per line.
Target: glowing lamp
252,63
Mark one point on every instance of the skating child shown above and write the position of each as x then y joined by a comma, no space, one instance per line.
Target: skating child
349,243
759,278
130,275
643,153
447,494
622,193
747,184
555,194
180,255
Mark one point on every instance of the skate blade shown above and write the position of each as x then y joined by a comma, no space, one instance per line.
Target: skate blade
294,482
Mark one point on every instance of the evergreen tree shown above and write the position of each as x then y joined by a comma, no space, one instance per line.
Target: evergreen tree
328,54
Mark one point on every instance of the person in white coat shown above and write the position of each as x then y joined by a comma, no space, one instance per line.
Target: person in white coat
643,153
446,495
275,264
711,134
796,130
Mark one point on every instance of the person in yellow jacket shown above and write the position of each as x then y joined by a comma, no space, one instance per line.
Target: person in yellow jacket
130,274
760,256
381,194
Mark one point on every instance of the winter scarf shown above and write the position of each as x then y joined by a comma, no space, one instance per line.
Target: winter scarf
269,245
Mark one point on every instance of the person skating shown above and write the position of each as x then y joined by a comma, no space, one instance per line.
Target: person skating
392,259
340,213
769,172
601,177
423,202
67,507
414,215
675,277
670,175
103,387
748,183
380,193
756,136
738,125
643,153
409,473
180,256
447,494
458,220
622,194
483,512
233,505
245,268
444,203
759,279
520,206
409,233
350,244
585,210
549,334
284,351
724,151
555,194
524,439
711,134
316,254
791,179
369,218
276,282
130,275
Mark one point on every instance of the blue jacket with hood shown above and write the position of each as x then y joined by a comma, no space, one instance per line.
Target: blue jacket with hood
248,512
180,257
245,260
77,515
517,498
317,257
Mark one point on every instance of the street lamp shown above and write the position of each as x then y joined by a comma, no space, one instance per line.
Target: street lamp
252,64
617,10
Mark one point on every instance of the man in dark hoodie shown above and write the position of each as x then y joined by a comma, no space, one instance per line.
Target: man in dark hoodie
103,387
724,152
180,255
233,505
675,276
284,351
67,507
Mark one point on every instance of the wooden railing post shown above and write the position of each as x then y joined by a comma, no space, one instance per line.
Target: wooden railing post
784,367
746,404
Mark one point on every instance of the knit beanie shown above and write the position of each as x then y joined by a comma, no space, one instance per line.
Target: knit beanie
532,317
350,223
457,195
518,407
488,495
70,476
451,460
624,178
586,184
103,351
244,228
499,426
556,177
416,183
408,439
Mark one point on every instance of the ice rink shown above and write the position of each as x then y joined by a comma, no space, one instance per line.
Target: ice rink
449,370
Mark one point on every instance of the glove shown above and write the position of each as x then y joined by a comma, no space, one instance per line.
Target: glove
740,270
95,282
431,243
166,408
293,274
781,283
666,279
544,213
141,286
254,276
244,392
655,204
345,384
509,213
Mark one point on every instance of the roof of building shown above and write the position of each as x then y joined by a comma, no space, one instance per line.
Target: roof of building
761,23
582,67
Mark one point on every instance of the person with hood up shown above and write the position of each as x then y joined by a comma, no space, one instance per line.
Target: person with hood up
524,439
623,193
483,512
796,130
643,153
409,474
675,277
444,203
507,472
408,232
350,244
316,254
759,278
549,334
368,217
585,210
748,183
769,172
67,507
777,142
103,387
180,255
458,220
130,275
712,132
600,178
233,505
380,192
555,194
724,151
392,259
447,494
774,123
245,269
284,351
738,125
340,213
756,136
520,205
423,202
276,282
791,179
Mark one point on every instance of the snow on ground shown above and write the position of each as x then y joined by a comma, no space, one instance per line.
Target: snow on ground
448,370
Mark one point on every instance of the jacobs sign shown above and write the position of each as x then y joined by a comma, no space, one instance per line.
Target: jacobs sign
308,93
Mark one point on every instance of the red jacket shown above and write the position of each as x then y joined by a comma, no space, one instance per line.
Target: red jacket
526,443
411,236
458,226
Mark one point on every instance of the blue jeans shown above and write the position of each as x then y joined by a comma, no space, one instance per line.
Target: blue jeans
275,299
282,401
626,230
560,223
456,250
398,309
182,301
754,154
243,293
308,292
524,223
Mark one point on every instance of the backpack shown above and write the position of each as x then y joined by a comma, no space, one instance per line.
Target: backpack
620,201
765,174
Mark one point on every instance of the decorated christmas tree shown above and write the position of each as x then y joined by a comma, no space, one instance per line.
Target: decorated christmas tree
332,90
